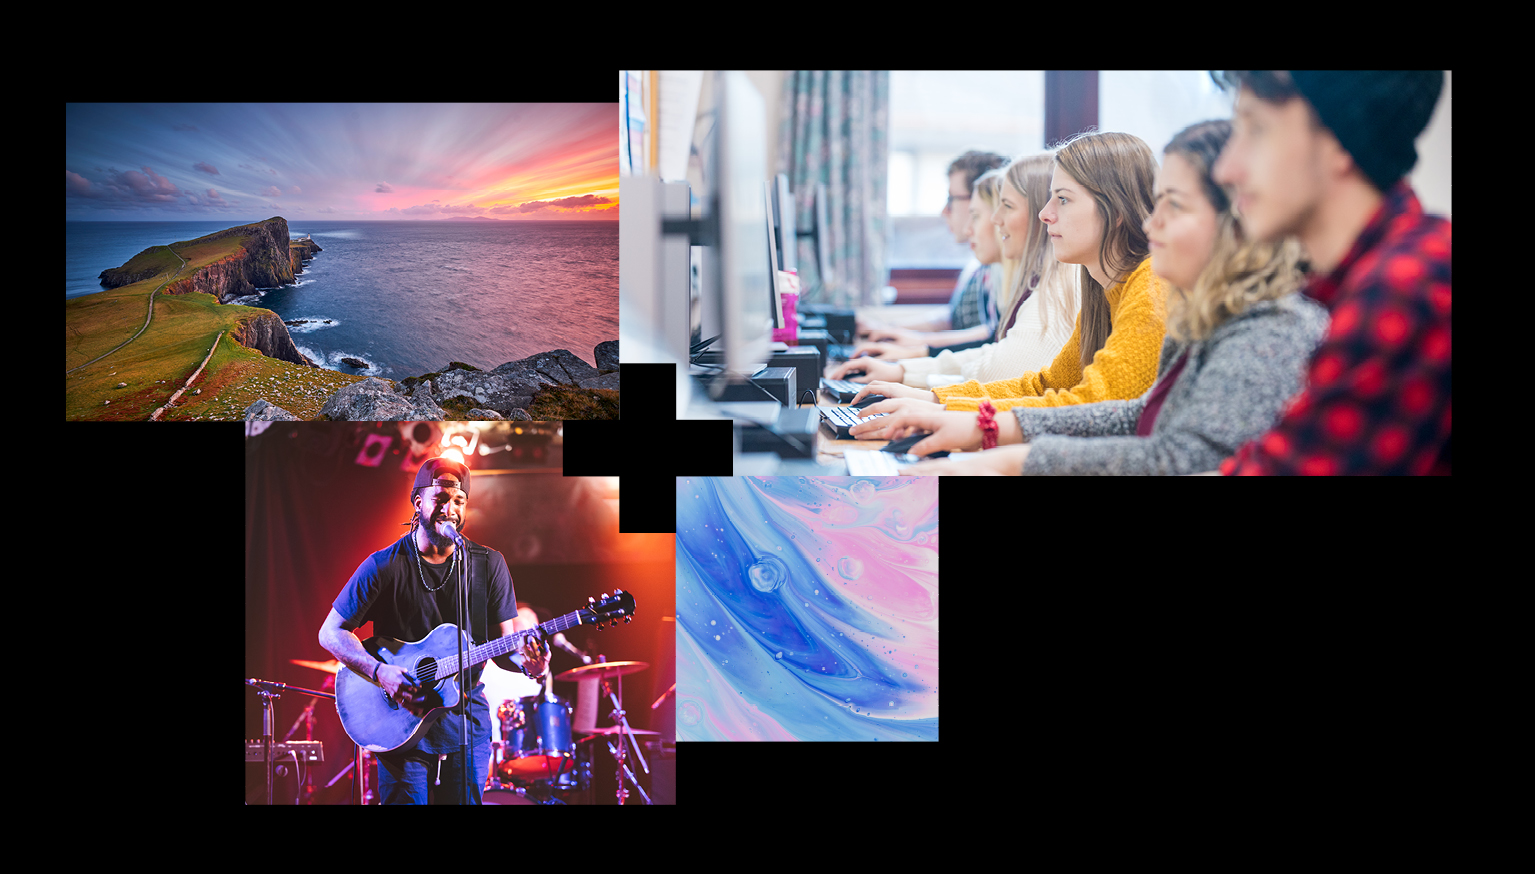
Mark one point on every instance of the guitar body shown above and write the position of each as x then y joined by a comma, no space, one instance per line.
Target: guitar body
376,723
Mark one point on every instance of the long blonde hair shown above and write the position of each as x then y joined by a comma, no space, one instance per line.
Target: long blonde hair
1240,272
988,187
1119,171
1054,286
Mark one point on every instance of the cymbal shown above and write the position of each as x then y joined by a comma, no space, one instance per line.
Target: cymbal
602,669
330,667
612,729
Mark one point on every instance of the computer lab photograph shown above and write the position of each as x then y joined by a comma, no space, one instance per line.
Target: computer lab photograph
1044,272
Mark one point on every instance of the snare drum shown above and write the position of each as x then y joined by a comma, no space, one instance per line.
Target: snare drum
536,742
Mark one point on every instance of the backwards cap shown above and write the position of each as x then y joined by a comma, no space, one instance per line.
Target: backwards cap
431,471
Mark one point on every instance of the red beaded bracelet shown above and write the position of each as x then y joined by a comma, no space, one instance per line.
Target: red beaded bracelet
988,425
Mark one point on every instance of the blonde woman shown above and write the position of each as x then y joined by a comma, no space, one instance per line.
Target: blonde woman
1238,340
986,245
1039,302
1101,194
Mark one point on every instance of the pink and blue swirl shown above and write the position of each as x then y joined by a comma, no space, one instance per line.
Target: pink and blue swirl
807,608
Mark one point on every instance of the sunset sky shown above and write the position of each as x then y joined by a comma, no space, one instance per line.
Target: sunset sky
170,162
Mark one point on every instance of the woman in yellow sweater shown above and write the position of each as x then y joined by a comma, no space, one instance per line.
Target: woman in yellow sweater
1102,194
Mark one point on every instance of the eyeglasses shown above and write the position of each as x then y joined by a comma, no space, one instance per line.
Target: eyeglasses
950,204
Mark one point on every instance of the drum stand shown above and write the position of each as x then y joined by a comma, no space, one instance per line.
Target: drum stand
620,754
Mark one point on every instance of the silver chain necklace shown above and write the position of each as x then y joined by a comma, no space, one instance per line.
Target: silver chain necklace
451,563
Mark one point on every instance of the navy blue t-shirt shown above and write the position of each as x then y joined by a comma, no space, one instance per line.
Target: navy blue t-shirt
388,589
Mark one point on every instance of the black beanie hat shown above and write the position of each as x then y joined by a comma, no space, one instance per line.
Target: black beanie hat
435,467
1375,114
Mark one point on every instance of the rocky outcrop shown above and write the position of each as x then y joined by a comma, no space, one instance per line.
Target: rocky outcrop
117,277
507,390
263,262
606,355
265,411
374,400
300,252
268,335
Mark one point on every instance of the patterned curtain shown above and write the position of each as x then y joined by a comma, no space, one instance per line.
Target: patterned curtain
835,131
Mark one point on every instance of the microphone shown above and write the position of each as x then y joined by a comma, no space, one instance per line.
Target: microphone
453,532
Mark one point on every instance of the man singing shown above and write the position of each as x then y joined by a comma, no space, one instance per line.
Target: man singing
407,589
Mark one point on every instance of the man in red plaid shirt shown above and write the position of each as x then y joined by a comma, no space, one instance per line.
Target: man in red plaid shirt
1323,156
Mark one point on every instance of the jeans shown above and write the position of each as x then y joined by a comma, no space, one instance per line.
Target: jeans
413,777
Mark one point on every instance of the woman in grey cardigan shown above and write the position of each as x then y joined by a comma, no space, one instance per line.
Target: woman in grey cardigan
1237,343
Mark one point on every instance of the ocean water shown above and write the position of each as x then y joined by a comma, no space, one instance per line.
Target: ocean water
807,608
408,297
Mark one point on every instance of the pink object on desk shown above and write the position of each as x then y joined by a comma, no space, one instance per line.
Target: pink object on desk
788,292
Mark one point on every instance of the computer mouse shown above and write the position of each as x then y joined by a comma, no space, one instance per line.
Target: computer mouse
871,399
904,445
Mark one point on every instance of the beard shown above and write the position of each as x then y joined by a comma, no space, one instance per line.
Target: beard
434,535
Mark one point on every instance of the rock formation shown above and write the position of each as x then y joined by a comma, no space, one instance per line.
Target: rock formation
267,334
503,393
300,252
117,277
263,262
507,390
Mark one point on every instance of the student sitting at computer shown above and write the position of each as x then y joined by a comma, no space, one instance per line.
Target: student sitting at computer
1323,155
1101,193
1039,295
972,308
1238,338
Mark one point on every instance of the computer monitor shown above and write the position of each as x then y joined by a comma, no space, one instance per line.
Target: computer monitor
738,161
775,303
783,224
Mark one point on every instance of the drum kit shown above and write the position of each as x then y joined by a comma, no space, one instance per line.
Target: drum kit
535,757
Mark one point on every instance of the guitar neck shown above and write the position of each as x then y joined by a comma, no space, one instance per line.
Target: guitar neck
511,643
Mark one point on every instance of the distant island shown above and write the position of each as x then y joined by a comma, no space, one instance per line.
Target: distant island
163,342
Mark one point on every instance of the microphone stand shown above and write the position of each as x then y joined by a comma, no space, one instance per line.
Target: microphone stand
463,668
269,690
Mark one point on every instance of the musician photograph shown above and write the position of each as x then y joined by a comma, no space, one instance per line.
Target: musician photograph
435,614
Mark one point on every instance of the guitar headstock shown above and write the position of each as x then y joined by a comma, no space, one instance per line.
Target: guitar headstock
619,604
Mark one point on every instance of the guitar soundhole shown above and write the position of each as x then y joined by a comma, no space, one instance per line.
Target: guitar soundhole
426,672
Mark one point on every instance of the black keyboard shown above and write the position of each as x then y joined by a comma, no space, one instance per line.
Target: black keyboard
840,419
841,389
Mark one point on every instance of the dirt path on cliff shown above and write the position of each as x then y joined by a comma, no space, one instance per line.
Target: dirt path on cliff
147,318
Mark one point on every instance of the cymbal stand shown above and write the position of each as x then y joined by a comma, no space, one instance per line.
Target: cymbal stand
306,719
620,754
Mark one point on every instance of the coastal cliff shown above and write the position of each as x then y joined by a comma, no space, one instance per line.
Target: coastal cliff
263,261
299,253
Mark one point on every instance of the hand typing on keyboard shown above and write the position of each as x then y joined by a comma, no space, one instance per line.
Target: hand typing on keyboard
875,430
895,390
866,369
952,431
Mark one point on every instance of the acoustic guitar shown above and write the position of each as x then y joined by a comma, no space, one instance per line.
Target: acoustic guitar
376,722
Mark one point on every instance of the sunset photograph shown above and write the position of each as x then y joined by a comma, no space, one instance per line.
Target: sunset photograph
320,261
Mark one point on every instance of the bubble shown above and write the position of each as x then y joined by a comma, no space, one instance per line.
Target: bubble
689,714
768,574
850,568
